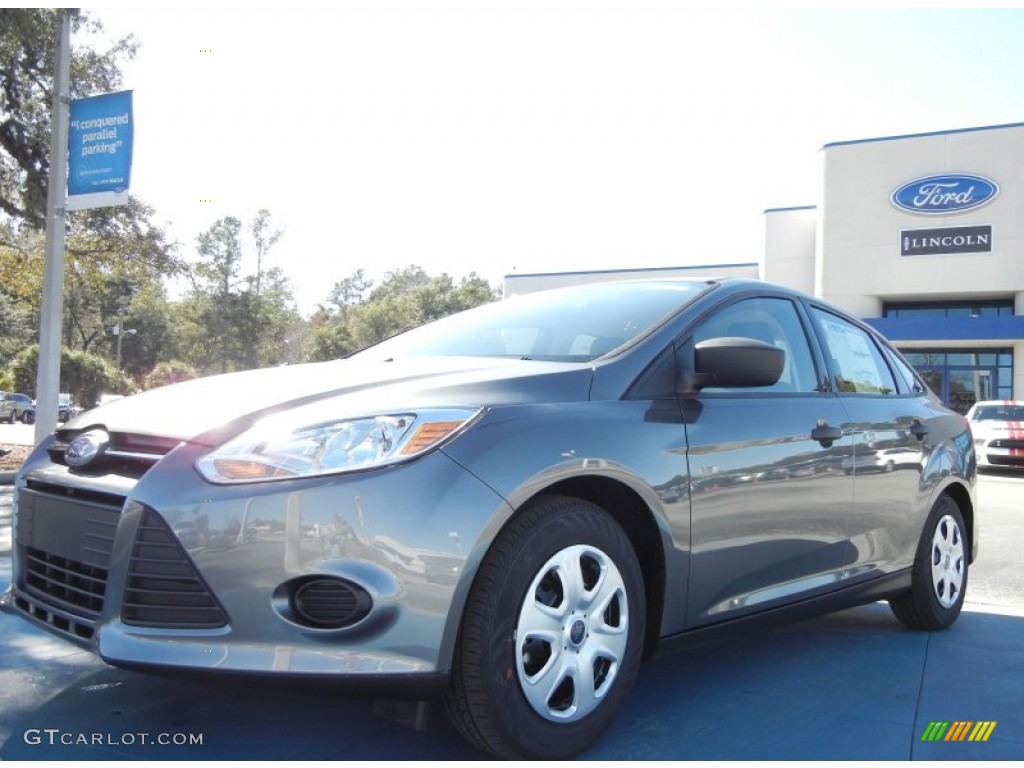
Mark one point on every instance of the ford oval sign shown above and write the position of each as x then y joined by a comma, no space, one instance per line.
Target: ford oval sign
948,193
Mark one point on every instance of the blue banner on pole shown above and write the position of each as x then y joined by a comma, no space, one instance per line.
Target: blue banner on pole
100,150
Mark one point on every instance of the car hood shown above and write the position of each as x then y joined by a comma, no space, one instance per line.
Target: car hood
187,410
989,428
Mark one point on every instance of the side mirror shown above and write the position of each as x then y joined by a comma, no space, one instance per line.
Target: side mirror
733,361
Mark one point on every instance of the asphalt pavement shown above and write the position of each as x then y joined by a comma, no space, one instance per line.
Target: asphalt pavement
854,685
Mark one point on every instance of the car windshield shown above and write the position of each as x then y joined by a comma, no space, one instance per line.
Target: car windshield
571,324
999,413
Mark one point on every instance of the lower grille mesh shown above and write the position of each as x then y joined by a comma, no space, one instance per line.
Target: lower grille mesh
163,587
67,584
65,538
1006,461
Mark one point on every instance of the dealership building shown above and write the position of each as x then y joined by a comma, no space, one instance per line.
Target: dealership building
922,236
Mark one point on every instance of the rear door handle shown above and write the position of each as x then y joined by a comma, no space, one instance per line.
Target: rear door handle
826,434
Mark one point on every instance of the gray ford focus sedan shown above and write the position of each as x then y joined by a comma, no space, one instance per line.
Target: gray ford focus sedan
509,508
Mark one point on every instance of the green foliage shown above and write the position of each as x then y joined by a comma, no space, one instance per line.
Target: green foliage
82,374
110,259
169,372
156,336
17,327
233,322
358,314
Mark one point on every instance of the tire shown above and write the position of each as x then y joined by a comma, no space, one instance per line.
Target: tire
557,606
939,575
28,418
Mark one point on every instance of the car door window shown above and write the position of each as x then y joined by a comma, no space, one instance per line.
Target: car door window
773,321
908,382
857,364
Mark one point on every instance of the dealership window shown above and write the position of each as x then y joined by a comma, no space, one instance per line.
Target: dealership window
962,376
993,308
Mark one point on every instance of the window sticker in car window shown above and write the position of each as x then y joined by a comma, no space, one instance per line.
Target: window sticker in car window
855,358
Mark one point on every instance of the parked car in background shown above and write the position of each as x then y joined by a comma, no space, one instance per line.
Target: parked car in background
998,429
67,408
15,406
507,508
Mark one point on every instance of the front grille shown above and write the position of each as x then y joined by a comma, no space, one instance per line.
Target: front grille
68,584
1006,461
1006,443
65,543
163,587
128,455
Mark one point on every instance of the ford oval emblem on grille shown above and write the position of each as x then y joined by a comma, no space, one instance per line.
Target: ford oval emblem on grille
86,448
948,193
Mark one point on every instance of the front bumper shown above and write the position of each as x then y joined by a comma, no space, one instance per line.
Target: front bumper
1001,452
173,573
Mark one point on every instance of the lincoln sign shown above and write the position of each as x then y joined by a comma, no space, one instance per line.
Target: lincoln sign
928,242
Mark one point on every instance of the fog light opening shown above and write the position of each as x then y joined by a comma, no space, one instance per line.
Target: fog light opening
323,602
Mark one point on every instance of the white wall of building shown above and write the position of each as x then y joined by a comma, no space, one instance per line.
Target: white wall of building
859,243
790,237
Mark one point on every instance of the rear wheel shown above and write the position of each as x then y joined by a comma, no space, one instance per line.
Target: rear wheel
939,576
552,634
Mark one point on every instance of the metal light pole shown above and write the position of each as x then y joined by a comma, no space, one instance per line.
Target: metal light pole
120,331
48,370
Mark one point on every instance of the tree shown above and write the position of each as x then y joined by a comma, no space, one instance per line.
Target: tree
217,295
235,322
169,372
84,375
28,38
264,238
157,332
17,327
350,291
357,314
112,254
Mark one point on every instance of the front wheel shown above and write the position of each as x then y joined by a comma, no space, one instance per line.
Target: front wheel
552,634
939,576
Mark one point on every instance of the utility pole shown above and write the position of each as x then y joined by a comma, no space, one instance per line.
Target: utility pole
120,331
52,308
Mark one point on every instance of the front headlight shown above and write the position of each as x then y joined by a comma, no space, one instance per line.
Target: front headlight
279,448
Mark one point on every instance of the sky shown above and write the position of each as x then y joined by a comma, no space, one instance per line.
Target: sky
519,137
